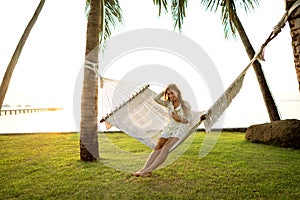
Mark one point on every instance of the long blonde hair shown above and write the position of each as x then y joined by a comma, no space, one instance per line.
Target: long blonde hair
185,106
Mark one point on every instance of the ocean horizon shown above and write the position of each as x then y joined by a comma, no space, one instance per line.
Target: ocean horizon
65,121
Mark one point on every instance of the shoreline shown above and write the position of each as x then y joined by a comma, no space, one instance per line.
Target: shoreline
241,129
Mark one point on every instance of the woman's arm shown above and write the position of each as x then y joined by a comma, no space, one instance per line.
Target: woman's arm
158,100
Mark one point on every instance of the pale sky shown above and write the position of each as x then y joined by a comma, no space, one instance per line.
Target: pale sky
54,52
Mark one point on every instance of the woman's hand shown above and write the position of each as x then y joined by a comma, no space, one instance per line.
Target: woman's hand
203,117
177,118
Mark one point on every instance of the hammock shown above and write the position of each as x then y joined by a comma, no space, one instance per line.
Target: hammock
142,118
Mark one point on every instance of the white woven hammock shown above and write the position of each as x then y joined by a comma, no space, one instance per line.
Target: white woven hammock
142,118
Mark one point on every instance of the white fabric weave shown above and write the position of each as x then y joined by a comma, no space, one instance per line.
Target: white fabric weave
144,119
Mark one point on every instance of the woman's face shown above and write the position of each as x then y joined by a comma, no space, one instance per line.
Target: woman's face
172,95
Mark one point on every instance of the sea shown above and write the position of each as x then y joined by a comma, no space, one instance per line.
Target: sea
65,120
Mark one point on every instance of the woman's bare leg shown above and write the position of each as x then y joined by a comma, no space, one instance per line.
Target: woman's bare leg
154,154
161,157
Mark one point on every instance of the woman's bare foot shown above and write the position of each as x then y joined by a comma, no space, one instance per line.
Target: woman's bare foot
145,174
142,174
138,173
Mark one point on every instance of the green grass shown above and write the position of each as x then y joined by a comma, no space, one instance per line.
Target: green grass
47,166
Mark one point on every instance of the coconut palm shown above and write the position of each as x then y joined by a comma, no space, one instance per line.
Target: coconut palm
102,16
232,24
293,21
14,60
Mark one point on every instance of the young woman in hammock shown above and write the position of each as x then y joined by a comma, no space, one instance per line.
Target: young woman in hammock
179,111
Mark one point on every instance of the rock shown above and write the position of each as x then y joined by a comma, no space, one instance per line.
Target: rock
283,133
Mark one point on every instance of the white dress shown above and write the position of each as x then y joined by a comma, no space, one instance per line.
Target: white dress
174,128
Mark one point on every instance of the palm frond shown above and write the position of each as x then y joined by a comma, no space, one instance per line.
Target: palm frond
178,12
212,5
113,16
228,10
228,14
87,7
160,4
215,5
177,8
248,5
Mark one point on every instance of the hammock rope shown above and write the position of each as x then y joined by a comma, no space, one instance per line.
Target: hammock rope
124,103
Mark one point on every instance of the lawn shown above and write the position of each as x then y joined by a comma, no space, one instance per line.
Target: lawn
48,166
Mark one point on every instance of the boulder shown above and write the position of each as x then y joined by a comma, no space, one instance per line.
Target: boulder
283,133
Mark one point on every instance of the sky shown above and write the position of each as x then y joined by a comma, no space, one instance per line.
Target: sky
54,52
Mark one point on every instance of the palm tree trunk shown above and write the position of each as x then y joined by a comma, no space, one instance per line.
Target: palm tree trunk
294,23
267,96
14,59
89,99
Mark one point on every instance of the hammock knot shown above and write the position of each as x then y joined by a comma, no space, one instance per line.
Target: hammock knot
261,55
281,23
285,17
92,66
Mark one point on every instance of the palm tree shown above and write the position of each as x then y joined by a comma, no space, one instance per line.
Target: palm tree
234,22
102,14
14,59
231,24
295,30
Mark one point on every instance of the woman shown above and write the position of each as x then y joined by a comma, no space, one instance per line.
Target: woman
179,111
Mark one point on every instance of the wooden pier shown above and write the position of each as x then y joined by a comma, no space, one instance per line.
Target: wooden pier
26,110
